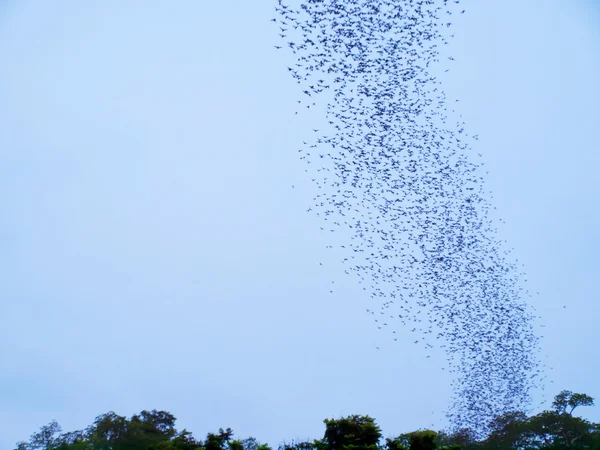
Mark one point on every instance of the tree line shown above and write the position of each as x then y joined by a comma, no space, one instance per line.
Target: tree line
557,428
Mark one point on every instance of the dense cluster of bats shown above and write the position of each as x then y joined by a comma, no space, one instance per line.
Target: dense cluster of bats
394,173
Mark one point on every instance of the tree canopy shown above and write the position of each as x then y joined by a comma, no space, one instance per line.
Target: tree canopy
553,429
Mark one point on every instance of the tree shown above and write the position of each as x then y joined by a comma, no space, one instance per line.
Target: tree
508,430
299,445
250,443
463,438
422,440
108,432
350,433
182,441
398,443
568,430
555,429
44,439
149,428
143,432
218,441
567,399
551,429
156,422
74,440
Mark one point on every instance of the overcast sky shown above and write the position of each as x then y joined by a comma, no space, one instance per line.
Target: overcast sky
154,254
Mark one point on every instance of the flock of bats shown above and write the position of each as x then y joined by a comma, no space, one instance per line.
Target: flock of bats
397,175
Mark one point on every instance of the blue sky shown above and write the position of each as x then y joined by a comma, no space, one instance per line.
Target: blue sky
155,255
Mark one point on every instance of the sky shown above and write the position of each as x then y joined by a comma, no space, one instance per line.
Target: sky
155,250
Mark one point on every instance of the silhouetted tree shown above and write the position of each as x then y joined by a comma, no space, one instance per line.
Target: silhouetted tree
218,441
509,430
555,429
350,433
422,440
45,439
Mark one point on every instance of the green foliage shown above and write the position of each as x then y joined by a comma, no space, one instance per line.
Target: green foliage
302,445
251,443
423,440
509,430
218,441
351,433
555,429
398,443
235,445
142,432
109,432
567,399
182,441
45,439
